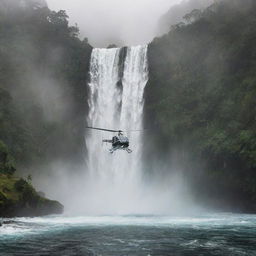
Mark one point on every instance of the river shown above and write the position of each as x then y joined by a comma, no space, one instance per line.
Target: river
209,234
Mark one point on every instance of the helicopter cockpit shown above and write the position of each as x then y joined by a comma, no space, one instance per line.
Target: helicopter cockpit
120,140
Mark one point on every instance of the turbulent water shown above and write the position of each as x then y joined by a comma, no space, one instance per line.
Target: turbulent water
118,78
207,235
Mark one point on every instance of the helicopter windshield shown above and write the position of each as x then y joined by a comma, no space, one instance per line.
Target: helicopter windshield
123,139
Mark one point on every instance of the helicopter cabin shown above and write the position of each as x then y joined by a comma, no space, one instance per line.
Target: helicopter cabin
120,141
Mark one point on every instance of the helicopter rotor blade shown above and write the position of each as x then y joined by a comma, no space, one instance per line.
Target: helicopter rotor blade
101,129
135,130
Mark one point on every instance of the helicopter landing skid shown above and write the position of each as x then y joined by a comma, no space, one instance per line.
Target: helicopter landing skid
112,150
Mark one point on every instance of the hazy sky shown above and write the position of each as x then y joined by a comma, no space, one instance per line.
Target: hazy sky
125,22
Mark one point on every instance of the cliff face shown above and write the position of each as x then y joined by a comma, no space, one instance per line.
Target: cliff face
7,4
44,71
17,196
176,13
200,101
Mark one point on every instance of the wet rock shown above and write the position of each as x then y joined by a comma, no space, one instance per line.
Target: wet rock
22,200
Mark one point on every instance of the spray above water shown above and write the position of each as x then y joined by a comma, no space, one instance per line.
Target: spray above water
119,183
114,182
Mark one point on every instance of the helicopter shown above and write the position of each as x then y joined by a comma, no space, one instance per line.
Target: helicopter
119,141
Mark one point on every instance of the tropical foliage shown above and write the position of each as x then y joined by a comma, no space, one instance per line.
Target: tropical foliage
201,98
43,73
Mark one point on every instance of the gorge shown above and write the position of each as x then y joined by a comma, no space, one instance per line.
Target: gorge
188,187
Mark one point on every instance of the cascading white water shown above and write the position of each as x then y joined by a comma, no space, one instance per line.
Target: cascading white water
134,80
113,184
115,106
104,101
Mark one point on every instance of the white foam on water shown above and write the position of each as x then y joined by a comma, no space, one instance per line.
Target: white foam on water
27,226
204,220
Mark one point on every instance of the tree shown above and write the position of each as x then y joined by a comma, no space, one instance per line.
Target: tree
193,16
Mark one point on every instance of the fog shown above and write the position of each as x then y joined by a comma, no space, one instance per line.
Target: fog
118,183
123,22
167,190
103,23
82,194
176,13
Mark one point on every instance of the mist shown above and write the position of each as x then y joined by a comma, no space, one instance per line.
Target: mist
135,136
176,13
118,183
165,190
120,22
168,191
82,194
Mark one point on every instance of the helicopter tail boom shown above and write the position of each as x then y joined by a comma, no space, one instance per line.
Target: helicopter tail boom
108,141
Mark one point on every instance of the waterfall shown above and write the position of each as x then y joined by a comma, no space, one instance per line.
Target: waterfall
116,102
104,102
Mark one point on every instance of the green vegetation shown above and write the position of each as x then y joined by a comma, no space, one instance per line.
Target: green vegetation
201,100
43,73
17,196
7,164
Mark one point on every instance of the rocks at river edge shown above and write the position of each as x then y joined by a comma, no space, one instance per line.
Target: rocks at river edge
18,198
